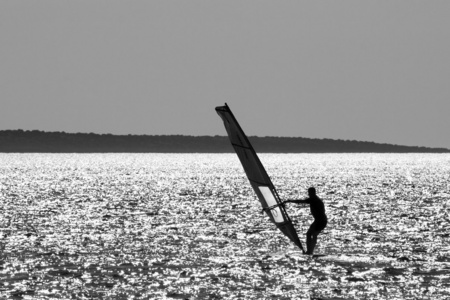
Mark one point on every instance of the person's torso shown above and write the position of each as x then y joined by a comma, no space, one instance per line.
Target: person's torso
317,208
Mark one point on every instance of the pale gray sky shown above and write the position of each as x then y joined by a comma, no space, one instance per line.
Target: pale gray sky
359,70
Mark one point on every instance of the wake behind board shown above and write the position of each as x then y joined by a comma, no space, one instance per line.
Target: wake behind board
257,175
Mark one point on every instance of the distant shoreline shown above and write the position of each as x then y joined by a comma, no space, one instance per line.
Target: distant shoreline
35,141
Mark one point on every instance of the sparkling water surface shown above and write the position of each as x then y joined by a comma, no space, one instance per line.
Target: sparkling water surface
189,226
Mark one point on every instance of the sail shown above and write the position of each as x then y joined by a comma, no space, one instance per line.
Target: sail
257,175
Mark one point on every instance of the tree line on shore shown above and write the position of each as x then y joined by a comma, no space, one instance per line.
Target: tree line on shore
61,142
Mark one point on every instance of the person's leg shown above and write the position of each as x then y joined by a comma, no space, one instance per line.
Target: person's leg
310,244
311,241
314,240
314,231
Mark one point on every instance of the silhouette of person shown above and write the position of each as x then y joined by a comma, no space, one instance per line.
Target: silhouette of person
320,218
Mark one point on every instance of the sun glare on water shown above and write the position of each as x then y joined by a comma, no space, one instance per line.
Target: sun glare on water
189,226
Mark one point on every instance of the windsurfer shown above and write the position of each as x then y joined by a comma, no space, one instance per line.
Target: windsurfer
320,218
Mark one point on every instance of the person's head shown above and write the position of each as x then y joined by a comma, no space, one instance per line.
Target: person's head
311,191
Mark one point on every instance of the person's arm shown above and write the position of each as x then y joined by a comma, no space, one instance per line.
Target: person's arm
296,201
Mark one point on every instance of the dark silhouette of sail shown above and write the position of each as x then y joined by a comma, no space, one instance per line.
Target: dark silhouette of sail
257,175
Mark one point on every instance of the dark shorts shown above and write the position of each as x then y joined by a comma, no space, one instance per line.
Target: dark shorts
318,225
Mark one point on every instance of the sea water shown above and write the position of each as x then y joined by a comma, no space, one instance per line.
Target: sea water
190,226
